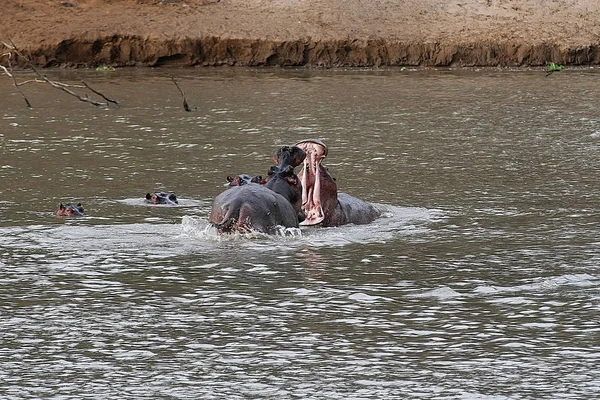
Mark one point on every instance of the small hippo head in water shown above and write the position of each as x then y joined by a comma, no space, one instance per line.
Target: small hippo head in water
243,179
284,157
70,210
161,198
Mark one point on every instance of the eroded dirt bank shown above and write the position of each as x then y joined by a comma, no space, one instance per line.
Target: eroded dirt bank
304,32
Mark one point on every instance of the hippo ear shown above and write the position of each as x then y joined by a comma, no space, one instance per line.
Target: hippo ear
148,196
61,206
289,170
230,178
279,153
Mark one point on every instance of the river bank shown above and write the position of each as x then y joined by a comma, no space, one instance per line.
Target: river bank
320,33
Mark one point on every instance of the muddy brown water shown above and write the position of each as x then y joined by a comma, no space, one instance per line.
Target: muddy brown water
480,281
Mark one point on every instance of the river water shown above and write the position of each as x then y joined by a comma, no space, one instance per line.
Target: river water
480,281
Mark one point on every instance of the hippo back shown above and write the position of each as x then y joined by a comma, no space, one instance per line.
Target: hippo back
251,207
354,211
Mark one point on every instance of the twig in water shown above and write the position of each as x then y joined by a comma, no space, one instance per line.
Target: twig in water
15,81
186,107
36,80
64,88
101,95
13,48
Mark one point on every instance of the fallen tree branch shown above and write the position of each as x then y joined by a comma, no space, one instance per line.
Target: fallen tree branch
36,80
44,79
62,86
30,81
16,85
100,94
186,106
64,89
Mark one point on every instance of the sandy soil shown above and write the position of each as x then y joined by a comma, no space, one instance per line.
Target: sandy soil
304,32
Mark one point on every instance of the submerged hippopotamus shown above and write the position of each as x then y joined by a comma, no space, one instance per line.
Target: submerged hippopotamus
263,208
161,198
321,201
243,179
70,210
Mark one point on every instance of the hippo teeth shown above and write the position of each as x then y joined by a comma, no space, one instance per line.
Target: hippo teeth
311,181
313,217
311,195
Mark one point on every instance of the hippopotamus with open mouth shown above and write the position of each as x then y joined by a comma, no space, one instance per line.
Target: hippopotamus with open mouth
70,210
263,208
161,198
321,201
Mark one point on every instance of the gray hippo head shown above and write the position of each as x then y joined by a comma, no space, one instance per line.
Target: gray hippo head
70,210
161,198
244,179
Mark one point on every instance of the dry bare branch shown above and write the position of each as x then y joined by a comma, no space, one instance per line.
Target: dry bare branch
44,79
100,94
16,85
186,106
30,81
62,87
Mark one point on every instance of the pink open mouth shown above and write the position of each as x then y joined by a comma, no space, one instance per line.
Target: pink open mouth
316,151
